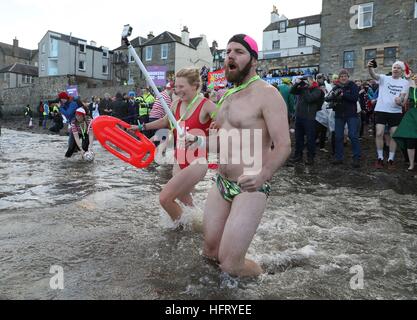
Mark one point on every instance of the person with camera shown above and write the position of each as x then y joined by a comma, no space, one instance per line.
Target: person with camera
388,109
343,100
310,100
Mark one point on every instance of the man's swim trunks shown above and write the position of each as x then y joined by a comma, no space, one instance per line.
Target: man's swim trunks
229,189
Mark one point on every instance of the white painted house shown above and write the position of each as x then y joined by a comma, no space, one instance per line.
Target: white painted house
60,54
286,38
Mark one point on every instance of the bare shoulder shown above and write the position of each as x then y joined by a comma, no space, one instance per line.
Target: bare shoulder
269,95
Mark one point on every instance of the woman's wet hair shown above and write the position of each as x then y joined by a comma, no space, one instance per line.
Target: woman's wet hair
192,75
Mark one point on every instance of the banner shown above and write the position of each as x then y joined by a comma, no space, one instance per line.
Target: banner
72,91
278,80
218,78
158,75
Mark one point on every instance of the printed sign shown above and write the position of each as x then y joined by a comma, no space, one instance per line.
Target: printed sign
72,91
158,75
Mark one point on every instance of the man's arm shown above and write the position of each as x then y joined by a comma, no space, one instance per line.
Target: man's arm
312,95
275,115
372,71
353,95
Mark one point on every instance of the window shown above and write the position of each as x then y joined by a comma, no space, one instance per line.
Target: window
282,26
366,12
302,40
348,59
81,65
390,56
415,10
42,67
32,79
131,58
164,51
53,49
148,53
8,78
276,44
369,55
82,47
105,69
105,54
53,68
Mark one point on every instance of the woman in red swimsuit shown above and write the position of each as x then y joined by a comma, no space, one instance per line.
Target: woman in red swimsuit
191,111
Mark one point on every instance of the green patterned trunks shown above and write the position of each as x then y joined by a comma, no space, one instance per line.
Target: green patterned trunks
229,189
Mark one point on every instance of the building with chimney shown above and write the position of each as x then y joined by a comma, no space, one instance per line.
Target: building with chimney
290,45
18,66
165,54
61,55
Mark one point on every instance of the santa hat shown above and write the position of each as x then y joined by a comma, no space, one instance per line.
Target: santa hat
80,111
404,66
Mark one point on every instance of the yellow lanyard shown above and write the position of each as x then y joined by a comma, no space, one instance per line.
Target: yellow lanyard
186,111
232,91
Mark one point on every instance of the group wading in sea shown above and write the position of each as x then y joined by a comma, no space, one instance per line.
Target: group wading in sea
201,122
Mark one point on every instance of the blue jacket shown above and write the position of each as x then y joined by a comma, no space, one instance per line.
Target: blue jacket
68,110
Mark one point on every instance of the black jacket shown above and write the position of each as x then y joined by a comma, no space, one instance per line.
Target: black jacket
345,106
309,100
120,109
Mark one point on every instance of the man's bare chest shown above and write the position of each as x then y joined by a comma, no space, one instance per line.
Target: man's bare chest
239,114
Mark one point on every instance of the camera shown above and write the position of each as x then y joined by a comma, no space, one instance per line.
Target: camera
127,31
334,99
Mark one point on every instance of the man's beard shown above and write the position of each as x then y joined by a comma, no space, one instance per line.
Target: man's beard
240,75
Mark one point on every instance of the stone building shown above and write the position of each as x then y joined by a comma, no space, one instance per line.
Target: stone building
11,54
356,31
166,53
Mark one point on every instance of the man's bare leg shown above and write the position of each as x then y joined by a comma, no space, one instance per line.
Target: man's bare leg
216,211
242,223
392,143
180,187
379,136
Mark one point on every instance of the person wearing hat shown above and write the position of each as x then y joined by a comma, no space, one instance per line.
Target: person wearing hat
388,110
344,98
289,99
237,201
82,132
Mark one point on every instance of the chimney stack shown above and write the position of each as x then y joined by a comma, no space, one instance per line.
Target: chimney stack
274,14
15,42
150,35
185,36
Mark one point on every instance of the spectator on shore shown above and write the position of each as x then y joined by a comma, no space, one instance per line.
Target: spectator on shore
28,116
344,98
105,105
388,109
310,100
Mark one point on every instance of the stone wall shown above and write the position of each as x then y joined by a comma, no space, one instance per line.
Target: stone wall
290,62
13,101
394,25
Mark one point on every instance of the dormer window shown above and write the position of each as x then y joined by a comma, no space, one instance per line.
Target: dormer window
282,27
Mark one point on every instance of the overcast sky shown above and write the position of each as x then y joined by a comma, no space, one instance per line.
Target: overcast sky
102,21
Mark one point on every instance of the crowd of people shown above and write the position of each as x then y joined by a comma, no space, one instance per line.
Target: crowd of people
317,108
338,110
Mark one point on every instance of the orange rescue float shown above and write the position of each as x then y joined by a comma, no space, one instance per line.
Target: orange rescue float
111,132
